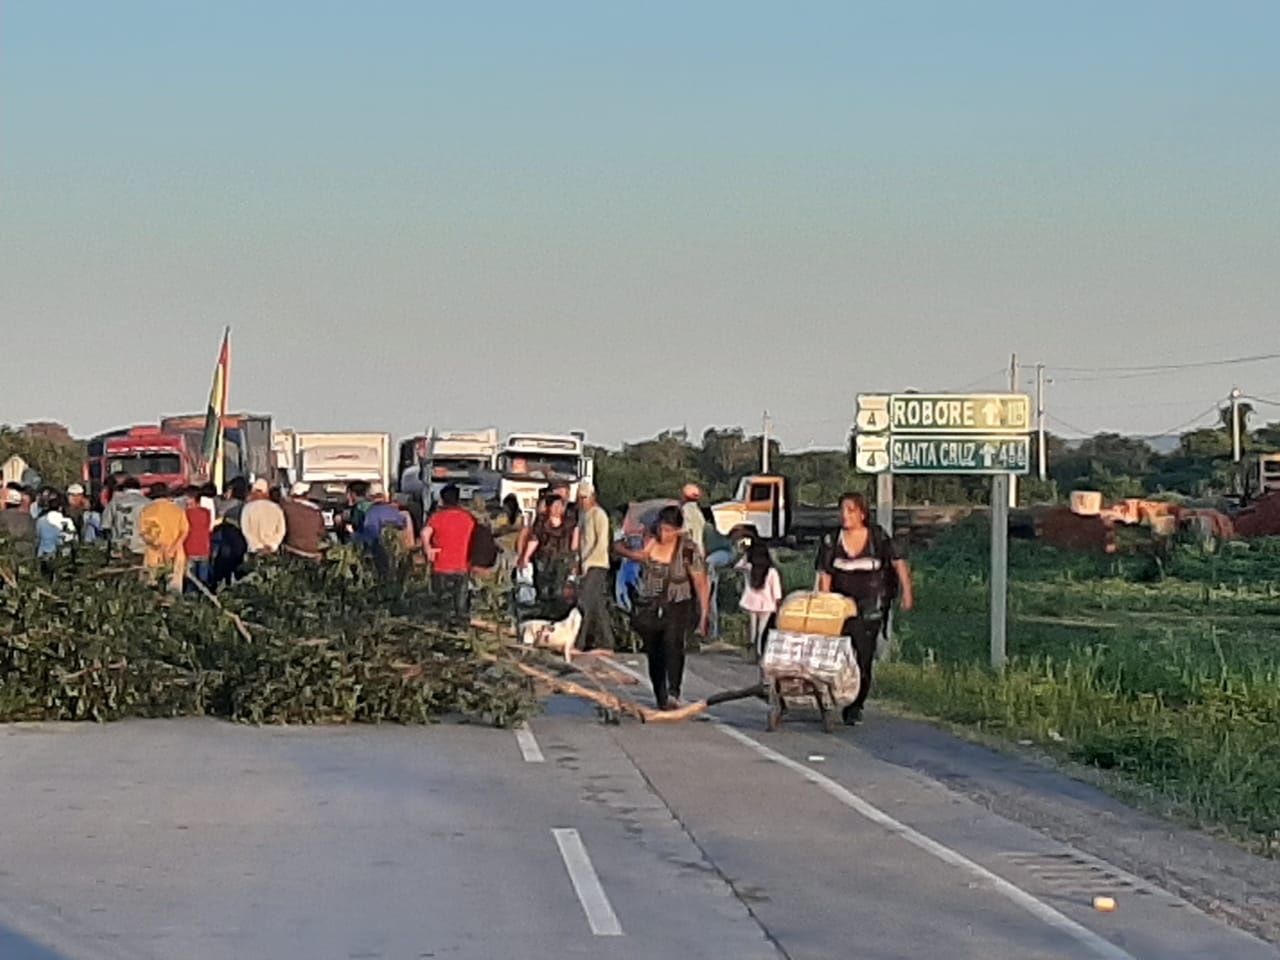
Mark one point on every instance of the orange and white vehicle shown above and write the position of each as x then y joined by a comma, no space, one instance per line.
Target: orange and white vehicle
763,508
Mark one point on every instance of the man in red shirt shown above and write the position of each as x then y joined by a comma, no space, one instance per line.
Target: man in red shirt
199,536
446,540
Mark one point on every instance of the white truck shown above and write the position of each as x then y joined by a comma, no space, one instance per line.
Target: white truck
530,462
466,458
430,461
284,452
329,461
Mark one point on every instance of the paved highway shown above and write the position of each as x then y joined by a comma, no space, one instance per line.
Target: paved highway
198,840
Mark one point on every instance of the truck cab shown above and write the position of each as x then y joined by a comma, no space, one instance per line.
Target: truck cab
529,462
410,460
466,458
761,507
147,453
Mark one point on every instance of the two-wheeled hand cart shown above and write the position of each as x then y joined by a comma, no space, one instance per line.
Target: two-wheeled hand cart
807,668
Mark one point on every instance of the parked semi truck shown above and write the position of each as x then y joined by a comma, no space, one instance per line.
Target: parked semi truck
330,461
171,452
529,462
246,442
144,452
466,458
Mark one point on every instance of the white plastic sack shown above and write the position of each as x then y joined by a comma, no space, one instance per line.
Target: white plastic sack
526,594
808,656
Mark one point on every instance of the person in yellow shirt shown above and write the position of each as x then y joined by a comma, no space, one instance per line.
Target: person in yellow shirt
163,527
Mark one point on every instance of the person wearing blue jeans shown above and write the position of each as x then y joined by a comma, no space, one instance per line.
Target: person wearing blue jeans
717,561
719,552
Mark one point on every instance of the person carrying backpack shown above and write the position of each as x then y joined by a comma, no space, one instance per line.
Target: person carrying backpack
862,563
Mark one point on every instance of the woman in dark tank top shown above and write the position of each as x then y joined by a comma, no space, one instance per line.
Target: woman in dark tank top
861,562
672,592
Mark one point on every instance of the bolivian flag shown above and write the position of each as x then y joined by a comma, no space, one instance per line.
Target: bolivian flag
211,449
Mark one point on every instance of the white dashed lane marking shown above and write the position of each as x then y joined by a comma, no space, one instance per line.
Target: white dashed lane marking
528,743
586,884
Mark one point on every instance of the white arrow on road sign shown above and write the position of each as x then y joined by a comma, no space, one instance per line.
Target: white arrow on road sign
988,454
991,413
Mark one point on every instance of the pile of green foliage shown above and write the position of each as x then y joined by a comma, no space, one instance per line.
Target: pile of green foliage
295,642
1168,674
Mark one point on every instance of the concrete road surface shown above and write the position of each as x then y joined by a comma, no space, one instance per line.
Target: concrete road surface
199,840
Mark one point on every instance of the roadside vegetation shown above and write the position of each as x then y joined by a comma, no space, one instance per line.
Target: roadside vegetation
1165,670
296,642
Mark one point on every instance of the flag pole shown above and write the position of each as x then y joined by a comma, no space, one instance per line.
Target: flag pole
214,445
222,414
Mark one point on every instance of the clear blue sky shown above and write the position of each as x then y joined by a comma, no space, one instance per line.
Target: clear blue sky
622,218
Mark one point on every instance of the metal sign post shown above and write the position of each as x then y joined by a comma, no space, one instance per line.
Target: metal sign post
999,569
884,519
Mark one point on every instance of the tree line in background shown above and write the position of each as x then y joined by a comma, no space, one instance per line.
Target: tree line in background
59,462
1201,466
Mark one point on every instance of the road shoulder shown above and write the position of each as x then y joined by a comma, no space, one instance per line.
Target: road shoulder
1212,874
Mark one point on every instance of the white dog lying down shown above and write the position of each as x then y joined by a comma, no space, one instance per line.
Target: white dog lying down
555,635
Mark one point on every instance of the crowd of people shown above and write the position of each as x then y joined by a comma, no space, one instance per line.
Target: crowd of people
194,532
669,579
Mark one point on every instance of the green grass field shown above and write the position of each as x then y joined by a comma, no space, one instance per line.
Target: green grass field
1166,671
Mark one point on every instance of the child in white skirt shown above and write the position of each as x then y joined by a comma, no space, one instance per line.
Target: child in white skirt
761,592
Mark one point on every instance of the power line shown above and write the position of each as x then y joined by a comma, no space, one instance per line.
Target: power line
1154,369
1070,426
1198,417
1170,431
982,380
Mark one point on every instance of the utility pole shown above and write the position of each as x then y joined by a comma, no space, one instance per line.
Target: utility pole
1235,424
1044,469
1013,388
1238,481
764,445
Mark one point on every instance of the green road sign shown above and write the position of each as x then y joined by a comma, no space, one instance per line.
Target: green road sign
958,454
944,413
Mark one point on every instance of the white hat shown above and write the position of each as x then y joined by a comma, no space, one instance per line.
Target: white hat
75,490
261,486
300,489
585,489
13,497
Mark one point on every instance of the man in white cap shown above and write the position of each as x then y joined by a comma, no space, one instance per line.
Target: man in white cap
695,531
262,520
87,521
304,530
594,541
